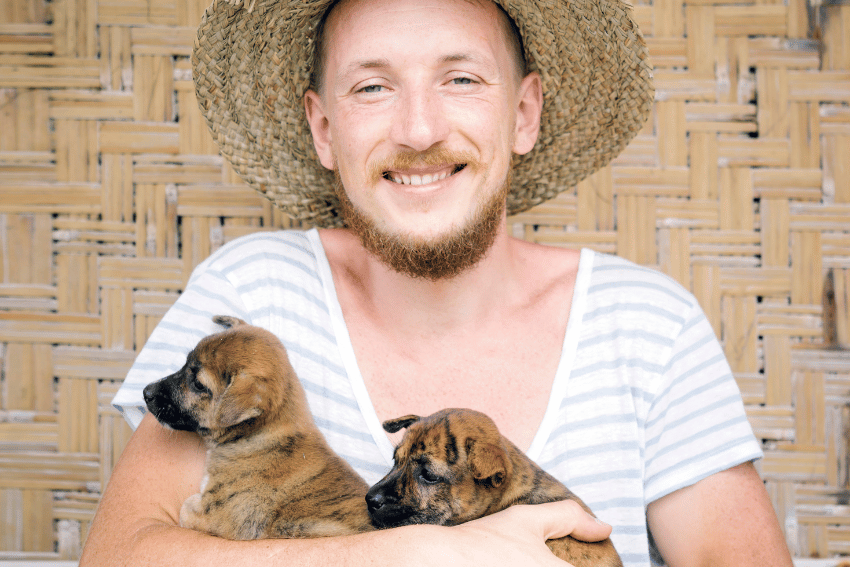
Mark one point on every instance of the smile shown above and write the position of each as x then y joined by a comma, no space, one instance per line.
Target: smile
422,179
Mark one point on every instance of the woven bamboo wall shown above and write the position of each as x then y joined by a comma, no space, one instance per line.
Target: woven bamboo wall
111,191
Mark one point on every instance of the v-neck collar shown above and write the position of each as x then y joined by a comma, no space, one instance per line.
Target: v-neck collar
358,385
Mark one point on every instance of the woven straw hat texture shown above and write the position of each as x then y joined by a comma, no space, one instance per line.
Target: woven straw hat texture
252,66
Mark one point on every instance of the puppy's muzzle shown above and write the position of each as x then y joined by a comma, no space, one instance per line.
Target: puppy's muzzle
160,400
382,500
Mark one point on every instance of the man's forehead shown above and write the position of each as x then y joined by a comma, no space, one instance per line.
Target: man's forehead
367,34
346,26
340,6
343,13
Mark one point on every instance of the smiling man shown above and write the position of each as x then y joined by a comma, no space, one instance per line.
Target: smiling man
409,130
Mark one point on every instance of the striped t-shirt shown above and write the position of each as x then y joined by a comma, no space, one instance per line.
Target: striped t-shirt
643,402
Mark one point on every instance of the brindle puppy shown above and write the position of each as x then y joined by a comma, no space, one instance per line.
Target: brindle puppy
269,471
454,466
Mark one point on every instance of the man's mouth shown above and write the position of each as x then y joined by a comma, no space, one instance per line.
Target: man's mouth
422,179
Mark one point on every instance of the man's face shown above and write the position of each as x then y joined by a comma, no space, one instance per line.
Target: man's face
420,110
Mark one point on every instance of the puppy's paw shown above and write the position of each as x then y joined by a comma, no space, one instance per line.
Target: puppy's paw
190,513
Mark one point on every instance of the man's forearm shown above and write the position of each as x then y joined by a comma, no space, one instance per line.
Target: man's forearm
513,537
165,545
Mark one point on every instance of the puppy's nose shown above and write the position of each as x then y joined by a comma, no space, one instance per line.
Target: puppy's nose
377,499
147,393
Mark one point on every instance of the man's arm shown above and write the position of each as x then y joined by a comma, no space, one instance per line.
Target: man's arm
725,519
137,524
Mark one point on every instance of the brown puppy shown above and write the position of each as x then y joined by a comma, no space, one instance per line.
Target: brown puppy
454,466
269,471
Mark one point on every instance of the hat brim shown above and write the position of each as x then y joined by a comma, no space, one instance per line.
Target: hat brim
252,67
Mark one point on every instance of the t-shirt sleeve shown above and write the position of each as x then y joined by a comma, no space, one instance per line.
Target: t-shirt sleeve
207,294
696,425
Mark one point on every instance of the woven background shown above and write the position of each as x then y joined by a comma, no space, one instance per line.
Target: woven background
111,191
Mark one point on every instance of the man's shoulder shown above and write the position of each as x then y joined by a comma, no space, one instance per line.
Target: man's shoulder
261,246
607,267
262,257
615,276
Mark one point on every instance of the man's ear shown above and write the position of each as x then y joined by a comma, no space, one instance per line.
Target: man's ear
487,462
320,127
529,109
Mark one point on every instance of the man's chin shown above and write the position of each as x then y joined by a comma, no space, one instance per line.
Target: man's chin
433,259
431,255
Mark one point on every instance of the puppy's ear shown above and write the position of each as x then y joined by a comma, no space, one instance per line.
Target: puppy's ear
394,425
487,462
243,399
228,321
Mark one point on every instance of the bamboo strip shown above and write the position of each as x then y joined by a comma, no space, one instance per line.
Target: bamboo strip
47,471
86,105
753,20
163,40
819,87
140,273
48,72
703,171
93,364
49,328
67,198
595,202
794,463
139,137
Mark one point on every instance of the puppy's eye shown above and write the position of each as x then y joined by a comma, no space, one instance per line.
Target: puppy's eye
196,386
427,476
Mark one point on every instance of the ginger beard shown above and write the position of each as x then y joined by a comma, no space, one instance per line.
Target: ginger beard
438,258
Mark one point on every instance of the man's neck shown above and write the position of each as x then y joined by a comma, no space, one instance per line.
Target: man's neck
419,303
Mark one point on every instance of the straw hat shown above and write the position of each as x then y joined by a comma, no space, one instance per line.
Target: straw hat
252,66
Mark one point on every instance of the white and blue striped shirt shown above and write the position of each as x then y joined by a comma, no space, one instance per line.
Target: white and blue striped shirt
643,402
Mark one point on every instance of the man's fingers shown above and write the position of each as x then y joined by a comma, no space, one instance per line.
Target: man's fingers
559,519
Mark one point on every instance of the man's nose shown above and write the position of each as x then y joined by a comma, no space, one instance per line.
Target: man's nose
421,122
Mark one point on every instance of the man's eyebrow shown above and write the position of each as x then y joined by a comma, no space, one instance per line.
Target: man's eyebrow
364,64
461,57
474,58
384,63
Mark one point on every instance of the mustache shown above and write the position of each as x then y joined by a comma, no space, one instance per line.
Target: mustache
406,160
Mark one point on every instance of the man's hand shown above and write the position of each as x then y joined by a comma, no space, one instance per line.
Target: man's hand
517,535
544,521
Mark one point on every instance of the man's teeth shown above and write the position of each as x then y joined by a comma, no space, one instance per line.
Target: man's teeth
419,179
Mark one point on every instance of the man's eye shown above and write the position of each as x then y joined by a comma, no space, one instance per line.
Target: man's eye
462,81
371,89
427,476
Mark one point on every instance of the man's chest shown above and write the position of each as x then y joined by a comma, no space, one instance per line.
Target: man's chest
508,376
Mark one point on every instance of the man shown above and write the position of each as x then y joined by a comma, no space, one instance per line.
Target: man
427,120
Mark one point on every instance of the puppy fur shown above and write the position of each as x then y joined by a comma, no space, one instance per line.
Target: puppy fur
454,466
269,471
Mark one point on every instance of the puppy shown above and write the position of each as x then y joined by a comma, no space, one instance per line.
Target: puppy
454,466
269,471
